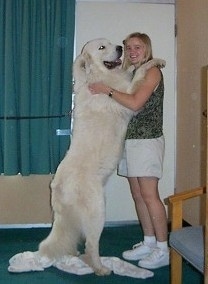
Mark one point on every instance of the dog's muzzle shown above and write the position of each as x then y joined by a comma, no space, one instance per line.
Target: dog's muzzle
117,62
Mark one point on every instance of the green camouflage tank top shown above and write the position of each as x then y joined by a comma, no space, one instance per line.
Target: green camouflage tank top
148,123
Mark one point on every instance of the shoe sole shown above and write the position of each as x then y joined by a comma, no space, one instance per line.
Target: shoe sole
153,266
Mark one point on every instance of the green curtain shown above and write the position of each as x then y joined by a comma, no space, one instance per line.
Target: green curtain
36,55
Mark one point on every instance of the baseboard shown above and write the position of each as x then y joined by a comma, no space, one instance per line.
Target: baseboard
107,224
121,223
24,226
29,226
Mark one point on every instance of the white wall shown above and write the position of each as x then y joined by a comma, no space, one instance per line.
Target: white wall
114,20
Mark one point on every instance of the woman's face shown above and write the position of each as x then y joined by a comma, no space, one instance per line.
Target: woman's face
135,50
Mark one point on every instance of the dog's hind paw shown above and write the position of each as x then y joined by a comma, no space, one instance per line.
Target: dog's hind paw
102,271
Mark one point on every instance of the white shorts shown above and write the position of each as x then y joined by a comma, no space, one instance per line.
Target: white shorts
142,158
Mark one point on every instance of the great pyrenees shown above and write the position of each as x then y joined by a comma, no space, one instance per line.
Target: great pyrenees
99,129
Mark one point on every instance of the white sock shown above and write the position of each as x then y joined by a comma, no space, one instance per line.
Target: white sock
163,245
150,240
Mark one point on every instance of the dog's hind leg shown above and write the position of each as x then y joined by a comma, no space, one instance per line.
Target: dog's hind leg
60,241
93,227
65,234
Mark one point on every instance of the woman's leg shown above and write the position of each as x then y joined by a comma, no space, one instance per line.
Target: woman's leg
154,206
141,208
143,248
159,257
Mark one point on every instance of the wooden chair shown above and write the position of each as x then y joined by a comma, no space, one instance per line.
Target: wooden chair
185,242
190,243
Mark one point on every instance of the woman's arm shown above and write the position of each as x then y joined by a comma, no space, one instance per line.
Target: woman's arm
136,100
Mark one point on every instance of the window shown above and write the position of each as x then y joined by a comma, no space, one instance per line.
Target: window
36,55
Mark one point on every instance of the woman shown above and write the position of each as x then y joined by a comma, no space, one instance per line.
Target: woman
142,160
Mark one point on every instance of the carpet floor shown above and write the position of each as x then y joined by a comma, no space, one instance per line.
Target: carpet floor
114,241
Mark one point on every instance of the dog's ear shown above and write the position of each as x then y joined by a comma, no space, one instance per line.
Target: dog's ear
79,62
87,61
79,72
83,62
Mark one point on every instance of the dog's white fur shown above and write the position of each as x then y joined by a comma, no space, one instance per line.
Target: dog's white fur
99,129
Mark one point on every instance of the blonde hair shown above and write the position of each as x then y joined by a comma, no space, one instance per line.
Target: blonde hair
147,42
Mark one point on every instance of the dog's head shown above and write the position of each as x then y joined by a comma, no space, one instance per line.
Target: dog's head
102,53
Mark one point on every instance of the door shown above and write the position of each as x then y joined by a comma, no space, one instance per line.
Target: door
115,20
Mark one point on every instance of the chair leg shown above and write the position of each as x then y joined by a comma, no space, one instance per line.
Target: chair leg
176,267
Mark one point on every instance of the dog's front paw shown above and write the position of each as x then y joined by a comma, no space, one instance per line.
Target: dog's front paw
160,63
155,62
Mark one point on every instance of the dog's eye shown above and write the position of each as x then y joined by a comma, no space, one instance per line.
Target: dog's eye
101,47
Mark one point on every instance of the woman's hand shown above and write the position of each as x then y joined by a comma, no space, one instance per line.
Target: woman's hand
99,88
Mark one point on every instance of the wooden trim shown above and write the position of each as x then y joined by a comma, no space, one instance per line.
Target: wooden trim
206,218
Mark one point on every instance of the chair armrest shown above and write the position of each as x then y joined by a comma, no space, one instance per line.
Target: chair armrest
187,194
176,205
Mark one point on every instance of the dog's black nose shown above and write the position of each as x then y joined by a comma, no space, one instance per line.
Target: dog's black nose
119,48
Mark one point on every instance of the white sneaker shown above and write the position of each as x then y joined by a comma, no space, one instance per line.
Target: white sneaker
158,258
139,251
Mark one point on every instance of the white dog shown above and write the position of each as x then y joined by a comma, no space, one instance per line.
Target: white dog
99,129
